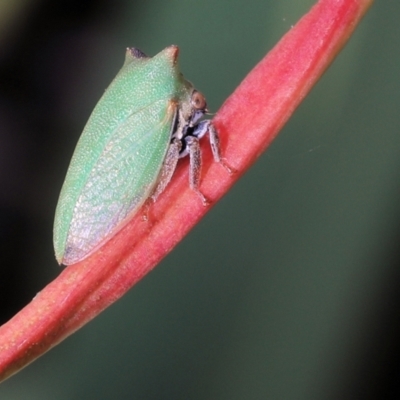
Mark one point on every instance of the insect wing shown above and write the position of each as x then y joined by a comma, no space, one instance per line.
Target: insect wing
137,101
121,180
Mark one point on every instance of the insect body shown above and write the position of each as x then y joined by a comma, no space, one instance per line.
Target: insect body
147,119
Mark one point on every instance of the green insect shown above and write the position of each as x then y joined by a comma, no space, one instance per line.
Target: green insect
147,119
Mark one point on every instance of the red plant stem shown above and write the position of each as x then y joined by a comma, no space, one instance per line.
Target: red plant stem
247,122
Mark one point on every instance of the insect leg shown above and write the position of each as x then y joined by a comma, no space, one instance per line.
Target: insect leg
207,126
193,147
168,168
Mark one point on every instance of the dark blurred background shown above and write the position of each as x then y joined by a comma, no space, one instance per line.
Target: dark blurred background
289,288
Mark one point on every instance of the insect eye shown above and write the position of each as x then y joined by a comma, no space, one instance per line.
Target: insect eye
198,101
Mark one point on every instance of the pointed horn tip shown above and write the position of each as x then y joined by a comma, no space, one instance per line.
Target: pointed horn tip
172,52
